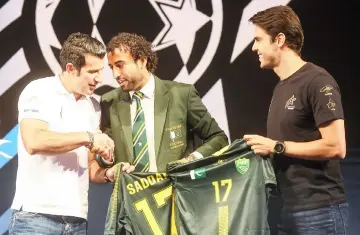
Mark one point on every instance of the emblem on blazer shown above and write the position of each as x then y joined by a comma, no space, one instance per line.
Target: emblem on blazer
242,165
175,135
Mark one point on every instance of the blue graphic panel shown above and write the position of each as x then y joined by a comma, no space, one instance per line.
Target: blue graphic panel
8,146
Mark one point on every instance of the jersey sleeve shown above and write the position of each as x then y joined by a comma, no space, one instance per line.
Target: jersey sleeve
114,207
325,100
268,171
34,103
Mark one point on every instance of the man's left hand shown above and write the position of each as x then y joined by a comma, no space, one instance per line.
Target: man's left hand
260,145
187,159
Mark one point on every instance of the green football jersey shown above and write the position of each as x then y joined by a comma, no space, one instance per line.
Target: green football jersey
143,205
223,194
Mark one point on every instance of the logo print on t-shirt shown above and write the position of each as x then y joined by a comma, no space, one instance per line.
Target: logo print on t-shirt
331,105
290,103
327,90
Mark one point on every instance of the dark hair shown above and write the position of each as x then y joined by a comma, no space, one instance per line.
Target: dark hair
76,46
138,47
281,19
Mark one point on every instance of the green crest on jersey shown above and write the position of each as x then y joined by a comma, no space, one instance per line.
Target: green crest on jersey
242,165
198,173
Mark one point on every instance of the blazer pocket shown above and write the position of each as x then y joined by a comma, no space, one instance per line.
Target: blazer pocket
175,137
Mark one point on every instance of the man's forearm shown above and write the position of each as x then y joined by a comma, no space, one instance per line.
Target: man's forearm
213,144
315,150
96,173
44,141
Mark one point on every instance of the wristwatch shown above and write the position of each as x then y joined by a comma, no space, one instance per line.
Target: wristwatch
102,162
279,147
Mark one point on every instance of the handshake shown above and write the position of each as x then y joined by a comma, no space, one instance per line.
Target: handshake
102,145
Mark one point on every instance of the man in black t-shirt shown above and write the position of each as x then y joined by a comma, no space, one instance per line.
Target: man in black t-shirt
305,129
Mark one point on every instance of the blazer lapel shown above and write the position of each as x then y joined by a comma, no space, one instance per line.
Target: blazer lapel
123,113
160,110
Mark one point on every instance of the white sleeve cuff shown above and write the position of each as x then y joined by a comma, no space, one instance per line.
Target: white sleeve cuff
197,155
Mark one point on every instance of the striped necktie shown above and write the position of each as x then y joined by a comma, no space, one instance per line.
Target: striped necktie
140,145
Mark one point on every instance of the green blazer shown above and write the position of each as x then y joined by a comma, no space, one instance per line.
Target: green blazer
179,114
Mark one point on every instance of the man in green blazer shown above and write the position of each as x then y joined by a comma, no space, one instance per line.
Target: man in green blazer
170,113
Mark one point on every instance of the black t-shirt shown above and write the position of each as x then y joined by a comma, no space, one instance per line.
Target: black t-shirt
300,104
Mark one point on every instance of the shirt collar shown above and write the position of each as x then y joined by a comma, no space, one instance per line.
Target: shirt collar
59,86
61,89
148,90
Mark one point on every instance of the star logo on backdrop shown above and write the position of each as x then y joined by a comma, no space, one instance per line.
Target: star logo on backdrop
182,20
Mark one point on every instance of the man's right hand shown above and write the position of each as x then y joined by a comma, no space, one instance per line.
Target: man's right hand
104,146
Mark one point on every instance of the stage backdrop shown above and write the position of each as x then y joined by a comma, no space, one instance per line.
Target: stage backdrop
202,42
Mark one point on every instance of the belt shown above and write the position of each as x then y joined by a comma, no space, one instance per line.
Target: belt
65,219
61,218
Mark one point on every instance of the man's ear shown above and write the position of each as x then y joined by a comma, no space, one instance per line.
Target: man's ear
280,40
142,62
70,68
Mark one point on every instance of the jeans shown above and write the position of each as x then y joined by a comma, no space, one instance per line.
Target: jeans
29,223
327,220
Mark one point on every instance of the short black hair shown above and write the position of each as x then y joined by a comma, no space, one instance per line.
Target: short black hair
76,46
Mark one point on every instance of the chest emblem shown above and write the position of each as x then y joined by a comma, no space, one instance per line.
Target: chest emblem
290,104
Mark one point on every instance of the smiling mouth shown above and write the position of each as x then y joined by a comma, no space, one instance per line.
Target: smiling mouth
121,81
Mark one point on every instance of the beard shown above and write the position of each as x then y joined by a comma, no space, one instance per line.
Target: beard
268,62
